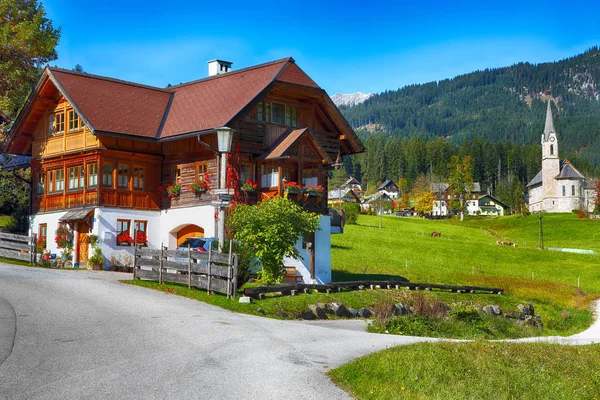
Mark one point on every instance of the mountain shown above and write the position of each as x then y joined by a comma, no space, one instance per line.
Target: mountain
345,100
495,105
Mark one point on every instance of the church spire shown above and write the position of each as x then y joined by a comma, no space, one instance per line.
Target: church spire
549,122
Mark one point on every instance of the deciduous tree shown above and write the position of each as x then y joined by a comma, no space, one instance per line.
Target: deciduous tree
460,179
272,228
27,41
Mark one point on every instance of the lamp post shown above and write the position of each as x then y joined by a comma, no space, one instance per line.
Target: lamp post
224,139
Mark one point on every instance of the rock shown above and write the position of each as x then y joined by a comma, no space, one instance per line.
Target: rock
364,313
245,299
353,313
497,310
489,310
411,310
339,310
308,315
515,315
298,315
261,311
282,314
318,311
399,309
526,309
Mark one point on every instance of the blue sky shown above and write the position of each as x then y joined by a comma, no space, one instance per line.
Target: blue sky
348,46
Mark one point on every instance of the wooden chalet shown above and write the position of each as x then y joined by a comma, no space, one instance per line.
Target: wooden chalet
110,156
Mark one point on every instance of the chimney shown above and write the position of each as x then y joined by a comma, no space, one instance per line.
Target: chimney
217,67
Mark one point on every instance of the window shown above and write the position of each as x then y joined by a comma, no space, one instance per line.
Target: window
42,234
56,180
267,112
92,175
310,177
107,174
40,183
176,174
278,113
51,125
123,176
201,169
259,116
269,176
76,177
140,229
123,235
564,190
572,190
246,172
138,178
291,116
551,149
74,121
59,123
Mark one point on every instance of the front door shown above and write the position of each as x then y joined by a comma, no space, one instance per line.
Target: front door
83,244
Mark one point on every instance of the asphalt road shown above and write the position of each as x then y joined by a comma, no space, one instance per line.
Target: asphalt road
83,334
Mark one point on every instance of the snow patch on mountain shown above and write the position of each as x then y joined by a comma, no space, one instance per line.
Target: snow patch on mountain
350,99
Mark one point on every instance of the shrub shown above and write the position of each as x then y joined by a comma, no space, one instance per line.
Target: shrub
247,261
351,211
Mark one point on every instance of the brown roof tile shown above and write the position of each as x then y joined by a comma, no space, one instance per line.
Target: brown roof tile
213,102
115,106
294,74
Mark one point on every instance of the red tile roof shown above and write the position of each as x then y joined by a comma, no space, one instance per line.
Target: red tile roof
212,102
114,106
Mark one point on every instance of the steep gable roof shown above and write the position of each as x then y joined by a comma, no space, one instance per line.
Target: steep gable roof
289,139
113,106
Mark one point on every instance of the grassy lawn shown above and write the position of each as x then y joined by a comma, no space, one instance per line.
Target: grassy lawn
4,220
478,370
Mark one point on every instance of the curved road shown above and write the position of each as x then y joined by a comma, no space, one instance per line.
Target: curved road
82,334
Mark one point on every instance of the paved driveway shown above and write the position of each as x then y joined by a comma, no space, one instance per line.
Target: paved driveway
82,334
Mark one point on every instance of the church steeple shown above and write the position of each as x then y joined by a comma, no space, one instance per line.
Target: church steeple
549,127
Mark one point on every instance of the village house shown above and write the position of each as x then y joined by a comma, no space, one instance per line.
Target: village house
128,162
443,196
389,188
559,186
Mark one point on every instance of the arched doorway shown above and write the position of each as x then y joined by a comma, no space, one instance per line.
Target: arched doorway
189,231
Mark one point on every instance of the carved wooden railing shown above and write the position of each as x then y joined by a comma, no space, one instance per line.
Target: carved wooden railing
111,198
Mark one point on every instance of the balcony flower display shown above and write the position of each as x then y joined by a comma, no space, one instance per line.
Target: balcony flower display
170,191
292,187
200,185
315,191
249,186
124,239
61,241
41,244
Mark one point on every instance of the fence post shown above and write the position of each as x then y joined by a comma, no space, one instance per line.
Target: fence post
135,257
209,265
33,250
229,272
161,263
189,266
235,274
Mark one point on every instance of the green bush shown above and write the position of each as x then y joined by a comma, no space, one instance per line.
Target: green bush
351,211
247,261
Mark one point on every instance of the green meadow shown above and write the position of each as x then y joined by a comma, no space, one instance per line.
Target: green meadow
467,254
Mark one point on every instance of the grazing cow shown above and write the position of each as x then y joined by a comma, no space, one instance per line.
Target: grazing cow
436,234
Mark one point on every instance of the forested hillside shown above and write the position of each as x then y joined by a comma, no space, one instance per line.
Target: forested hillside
496,116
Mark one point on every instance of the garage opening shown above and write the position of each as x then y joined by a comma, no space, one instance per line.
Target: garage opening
189,231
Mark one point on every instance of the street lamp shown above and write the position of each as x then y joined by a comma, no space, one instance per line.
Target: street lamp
224,139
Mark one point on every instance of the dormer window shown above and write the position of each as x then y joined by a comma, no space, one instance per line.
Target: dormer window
278,113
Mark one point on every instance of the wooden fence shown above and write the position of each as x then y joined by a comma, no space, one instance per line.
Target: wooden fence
18,247
209,270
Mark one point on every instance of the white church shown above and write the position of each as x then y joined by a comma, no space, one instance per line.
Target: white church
559,186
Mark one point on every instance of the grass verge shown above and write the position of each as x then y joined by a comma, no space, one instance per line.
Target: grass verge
479,370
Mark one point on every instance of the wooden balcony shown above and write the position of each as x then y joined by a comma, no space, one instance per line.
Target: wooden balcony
316,204
108,197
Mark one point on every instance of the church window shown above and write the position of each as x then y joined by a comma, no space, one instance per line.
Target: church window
564,190
572,190
551,149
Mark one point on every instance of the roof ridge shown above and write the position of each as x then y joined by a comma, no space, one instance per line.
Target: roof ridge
281,60
106,78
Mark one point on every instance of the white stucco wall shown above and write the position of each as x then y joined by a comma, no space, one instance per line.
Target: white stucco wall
322,248
174,219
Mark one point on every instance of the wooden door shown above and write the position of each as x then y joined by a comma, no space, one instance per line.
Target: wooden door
83,243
